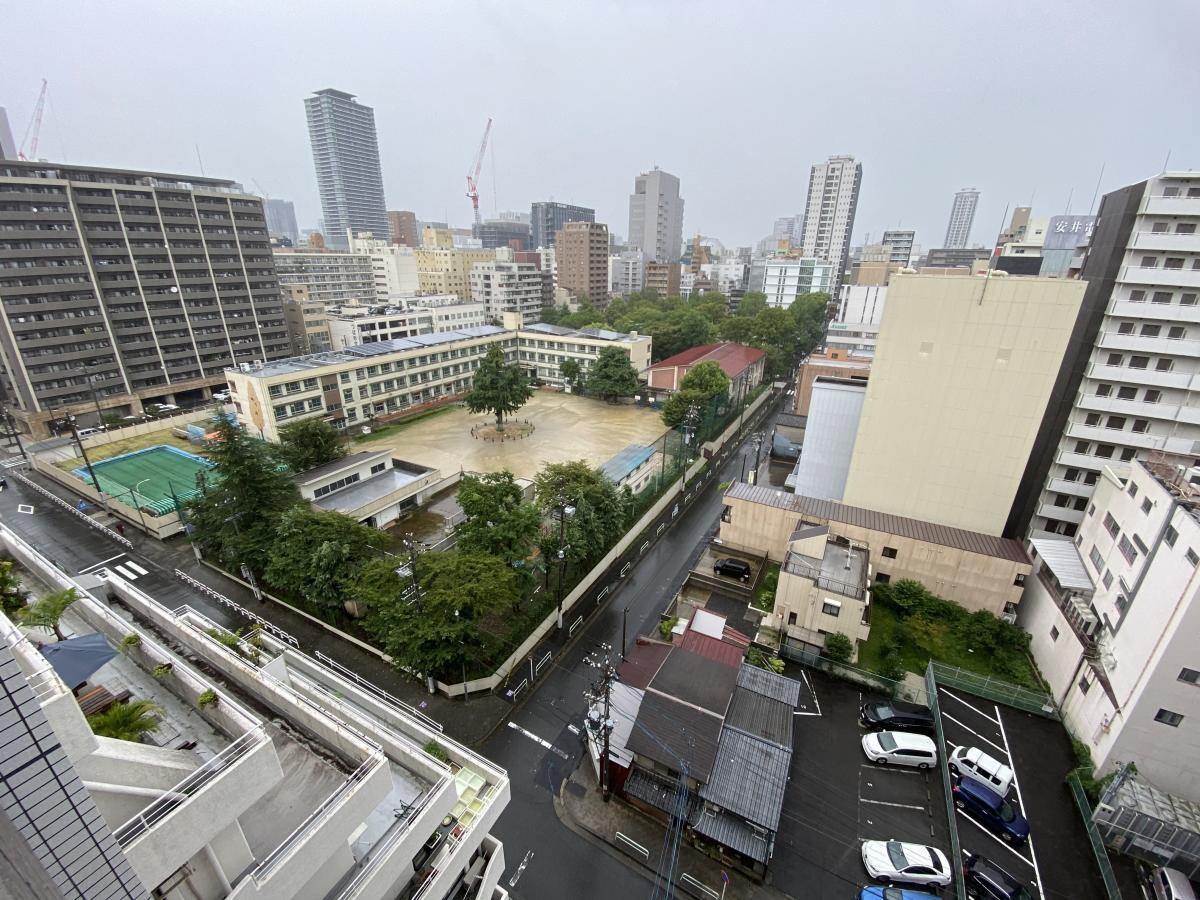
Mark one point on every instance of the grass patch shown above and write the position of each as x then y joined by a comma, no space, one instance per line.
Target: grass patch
764,596
382,431
129,445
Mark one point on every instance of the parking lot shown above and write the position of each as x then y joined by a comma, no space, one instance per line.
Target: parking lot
836,798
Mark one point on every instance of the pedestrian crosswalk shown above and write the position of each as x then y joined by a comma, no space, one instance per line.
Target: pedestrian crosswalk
129,570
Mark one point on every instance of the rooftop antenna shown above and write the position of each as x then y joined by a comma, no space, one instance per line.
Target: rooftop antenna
200,160
1096,195
1166,162
1070,197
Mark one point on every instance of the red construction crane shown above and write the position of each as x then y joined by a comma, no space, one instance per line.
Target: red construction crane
473,175
35,127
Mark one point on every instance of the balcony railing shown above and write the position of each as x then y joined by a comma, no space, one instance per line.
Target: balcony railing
796,565
1076,611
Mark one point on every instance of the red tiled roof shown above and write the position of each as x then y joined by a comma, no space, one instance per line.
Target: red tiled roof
711,648
732,358
643,662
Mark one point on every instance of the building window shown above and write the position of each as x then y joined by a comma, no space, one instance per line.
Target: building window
1166,717
1151,330
1177,333
1125,328
1054,632
1164,365
1082,447
1115,422
1149,262
1103,390
791,618
1160,297
1128,454
831,608
1107,579
1188,299
1151,396
1097,559
1139,362
1019,581
1137,296
1092,509
1105,451
1141,426
1084,685
1110,525
1091,420
889,552
1147,505
1191,557
1127,393
1133,489
1115,359
882,578
1170,536
1127,549
1189,676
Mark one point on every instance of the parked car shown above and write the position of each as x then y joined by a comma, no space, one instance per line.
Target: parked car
987,770
895,716
991,810
1170,884
897,747
732,568
986,879
221,396
911,863
880,892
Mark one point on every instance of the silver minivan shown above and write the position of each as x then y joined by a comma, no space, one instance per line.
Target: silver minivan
1171,884
978,766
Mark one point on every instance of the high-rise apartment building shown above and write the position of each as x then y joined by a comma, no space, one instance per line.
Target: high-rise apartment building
329,276
829,213
581,253
1132,393
663,278
403,225
121,288
494,233
281,219
626,273
8,146
393,266
547,218
656,216
513,293
962,215
307,321
901,244
786,279
346,156
963,378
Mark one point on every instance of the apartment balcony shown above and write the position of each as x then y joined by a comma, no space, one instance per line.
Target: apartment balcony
1161,345
1159,275
1061,513
1151,240
1171,206
1073,488
1162,312
1134,408
1147,377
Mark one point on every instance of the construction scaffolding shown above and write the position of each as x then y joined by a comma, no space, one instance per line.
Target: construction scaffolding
1137,819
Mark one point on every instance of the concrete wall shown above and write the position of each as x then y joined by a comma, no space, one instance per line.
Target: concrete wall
803,597
961,379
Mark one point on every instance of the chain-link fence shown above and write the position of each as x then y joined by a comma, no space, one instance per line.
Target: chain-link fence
931,686
1111,890
997,690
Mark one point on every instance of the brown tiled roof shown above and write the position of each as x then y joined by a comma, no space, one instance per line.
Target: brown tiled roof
727,654
829,510
732,358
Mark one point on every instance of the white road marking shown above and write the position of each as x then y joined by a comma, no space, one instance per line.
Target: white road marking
968,705
1017,787
812,690
131,564
574,729
125,573
887,803
512,882
998,840
533,737
101,563
895,771
946,715
25,508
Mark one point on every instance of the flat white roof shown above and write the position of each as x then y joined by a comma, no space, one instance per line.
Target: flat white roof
1063,559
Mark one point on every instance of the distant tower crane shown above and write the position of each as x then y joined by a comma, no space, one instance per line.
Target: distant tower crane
35,127
473,175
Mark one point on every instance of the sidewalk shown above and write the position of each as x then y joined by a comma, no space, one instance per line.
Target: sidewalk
580,807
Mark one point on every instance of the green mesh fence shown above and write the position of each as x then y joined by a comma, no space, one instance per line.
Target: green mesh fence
152,479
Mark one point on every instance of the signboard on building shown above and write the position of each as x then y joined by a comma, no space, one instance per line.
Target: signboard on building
1068,232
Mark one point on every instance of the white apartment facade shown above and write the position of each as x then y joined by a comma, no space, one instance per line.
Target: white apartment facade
329,795
855,327
962,216
829,213
727,276
393,266
329,277
349,326
786,279
1114,617
513,293
1138,393
656,216
626,273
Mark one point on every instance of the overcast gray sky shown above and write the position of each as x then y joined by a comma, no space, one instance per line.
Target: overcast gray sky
1023,101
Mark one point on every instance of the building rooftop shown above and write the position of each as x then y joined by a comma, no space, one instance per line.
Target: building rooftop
696,680
1062,558
769,684
368,490
625,462
156,179
642,662
761,716
732,358
601,334
676,734
944,535
840,568
748,777
319,473
712,648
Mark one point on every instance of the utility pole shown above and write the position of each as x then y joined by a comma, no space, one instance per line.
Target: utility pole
599,716
11,425
87,463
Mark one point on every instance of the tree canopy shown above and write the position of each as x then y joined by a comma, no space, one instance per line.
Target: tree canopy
570,372
309,443
698,387
498,520
612,375
48,612
12,594
499,388
599,510
315,554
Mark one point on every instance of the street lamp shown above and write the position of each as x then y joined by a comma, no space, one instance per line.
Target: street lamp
134,494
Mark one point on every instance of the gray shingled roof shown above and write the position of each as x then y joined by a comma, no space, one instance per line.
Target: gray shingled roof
748,778
943,535
730,831
697,680
676,735
761,716
777,687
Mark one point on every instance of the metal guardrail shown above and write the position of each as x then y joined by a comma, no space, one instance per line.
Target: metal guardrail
997,690
196,780
960,886
1111,890
73,511
236,607
377,692
44,682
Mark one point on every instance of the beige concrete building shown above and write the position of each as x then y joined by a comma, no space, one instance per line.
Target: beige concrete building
832,364
663,278
977,571
962,378
307,321
581,252
443,268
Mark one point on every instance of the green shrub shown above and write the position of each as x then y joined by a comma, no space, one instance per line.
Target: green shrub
891,666
162,671
437,751
208,698
665,626
129,642
838,647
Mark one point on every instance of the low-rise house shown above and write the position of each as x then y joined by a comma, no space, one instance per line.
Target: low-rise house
634,467
370,486
744,366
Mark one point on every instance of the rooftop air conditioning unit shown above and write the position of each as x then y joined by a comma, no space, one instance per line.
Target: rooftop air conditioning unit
245,367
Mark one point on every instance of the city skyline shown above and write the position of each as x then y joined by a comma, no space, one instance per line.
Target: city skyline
912,157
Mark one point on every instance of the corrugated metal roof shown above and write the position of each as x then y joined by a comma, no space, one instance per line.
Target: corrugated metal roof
730,831
1063,559
829,510
748,778
777,687
624,462
761,716
675,734
712,648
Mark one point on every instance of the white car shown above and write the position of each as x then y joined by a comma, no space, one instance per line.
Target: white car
900,748
911,863
987,770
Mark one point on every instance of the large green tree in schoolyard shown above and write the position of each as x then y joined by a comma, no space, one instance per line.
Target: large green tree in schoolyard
585,511
613,375
438,630
498,388
697,388
309,443
236,515
498,519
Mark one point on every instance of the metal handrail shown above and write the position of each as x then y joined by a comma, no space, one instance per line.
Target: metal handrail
170,800
317,818
44,681
377,691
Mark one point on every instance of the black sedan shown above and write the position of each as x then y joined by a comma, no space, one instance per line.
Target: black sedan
895,716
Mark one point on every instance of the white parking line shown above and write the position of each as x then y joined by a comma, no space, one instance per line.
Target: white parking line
968,705
895,770
1003,750
131,564
1000,841
533,737
887,803
811,690
1017,788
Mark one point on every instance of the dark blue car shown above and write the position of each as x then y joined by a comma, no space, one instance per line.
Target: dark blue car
991,810
876,892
